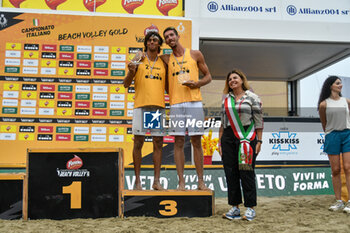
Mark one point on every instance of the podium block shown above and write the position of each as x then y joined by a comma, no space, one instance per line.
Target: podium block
168,203
73,183
11,195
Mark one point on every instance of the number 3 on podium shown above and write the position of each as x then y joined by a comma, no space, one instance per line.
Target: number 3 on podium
169,206
74,190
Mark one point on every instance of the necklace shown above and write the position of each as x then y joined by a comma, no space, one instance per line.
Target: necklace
182,62
151,67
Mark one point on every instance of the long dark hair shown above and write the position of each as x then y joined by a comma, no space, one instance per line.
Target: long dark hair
326,89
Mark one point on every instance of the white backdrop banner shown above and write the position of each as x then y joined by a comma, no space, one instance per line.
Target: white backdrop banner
292,10
289,141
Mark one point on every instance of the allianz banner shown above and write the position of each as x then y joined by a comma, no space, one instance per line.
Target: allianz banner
140,7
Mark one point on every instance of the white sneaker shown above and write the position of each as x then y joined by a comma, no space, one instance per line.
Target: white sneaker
338,205
249,214
347,208
233,213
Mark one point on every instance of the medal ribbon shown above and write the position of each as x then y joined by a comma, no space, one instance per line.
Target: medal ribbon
182,62
149,63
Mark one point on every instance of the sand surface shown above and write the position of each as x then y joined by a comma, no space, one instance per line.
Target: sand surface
274,214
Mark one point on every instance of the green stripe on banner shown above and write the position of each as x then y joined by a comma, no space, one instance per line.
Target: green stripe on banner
269,182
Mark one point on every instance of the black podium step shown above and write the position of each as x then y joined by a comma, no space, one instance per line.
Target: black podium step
168,203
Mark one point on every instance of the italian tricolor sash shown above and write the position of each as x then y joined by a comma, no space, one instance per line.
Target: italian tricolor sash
245,152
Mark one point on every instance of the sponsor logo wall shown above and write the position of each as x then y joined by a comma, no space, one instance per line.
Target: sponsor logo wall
61,81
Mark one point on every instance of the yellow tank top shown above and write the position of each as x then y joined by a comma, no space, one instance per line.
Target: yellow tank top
150,84
179,93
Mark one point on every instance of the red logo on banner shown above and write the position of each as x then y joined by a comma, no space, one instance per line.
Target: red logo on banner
62,137
84,64
91,5
82,104
166,97
99,112
131,5
49,47
16,3
152,28
66,96
169,139
66,55
45,129
74,163
53,4
47,87
101,72
164,6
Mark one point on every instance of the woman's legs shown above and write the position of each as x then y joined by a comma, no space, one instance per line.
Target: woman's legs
346,164
230,161
334,161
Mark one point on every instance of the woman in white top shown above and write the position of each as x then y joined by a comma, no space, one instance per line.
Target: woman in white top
335,119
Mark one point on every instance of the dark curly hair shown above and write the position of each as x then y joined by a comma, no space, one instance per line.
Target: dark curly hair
326,89
149,35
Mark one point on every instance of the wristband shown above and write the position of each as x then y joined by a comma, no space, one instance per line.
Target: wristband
259,141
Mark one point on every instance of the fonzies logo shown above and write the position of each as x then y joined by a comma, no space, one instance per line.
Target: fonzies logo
74,163
131,5
73,170
284,141
53,4
16,3
92,5
164,6
152,28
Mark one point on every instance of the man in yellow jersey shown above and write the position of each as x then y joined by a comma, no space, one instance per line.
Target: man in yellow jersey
149,76
185,101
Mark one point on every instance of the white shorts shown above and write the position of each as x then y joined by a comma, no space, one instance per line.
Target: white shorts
187,115
148,121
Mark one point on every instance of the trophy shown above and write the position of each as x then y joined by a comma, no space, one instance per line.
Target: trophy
183,77
137,58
